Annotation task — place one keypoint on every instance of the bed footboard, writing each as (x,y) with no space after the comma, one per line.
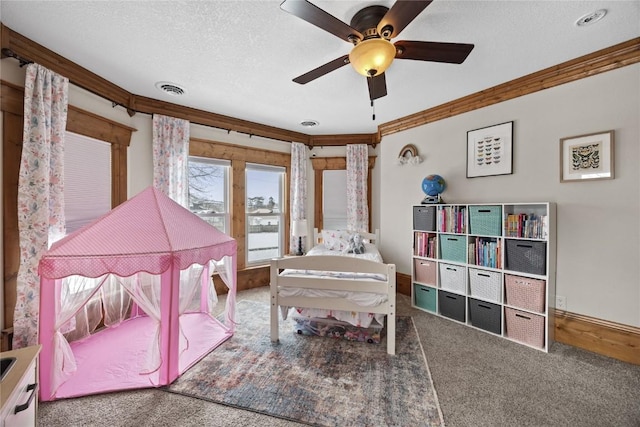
(340,264)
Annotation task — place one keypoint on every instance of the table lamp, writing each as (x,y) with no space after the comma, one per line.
(299,230)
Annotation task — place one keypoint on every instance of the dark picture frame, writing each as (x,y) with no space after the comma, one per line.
(490,150)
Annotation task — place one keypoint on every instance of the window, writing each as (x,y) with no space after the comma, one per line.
(87,180)
(334,199)
(265,219)
(209,191)
(87,186)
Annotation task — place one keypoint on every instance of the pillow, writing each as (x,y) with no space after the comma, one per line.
(335,240)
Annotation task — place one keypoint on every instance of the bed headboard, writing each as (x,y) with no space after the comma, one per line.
(371,237)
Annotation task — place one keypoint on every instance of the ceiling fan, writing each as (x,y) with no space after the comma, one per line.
(370,31)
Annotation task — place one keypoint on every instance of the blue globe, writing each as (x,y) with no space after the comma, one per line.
(432,185)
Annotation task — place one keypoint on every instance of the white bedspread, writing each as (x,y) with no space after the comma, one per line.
(364,299)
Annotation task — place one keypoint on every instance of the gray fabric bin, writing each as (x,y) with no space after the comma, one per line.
(424,218)
(451,305)
(485,315)
(527,256)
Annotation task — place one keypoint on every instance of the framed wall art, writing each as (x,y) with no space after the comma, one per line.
(490,151)
(587,157)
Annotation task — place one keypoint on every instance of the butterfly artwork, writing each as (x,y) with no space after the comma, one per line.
(585,156)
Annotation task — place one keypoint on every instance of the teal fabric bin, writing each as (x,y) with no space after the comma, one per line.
(453,247)
(425,297)
(485,220)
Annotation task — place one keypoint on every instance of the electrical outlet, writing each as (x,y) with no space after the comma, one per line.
(561,303)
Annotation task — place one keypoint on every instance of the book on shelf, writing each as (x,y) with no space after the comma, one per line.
(471,255)
(452,219)
(528,226)
(486,252)
(424,244)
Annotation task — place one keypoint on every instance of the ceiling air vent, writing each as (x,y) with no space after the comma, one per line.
(170,88)
(309,123)
(591,18)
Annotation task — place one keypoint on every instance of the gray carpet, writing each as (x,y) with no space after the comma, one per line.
(480,379)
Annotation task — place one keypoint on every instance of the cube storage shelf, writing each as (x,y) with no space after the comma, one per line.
(490,266)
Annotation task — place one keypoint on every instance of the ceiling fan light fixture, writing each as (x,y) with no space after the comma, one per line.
(372,57)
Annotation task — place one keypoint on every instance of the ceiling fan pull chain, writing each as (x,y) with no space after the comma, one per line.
(373,107)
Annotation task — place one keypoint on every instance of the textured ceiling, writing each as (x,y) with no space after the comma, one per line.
(237,58)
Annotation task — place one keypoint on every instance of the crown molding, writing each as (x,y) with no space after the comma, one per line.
(15,45)
(601,61)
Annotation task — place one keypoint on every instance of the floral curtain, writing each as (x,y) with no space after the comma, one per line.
(171,157)
(298,190)
(357,172)
(40,190)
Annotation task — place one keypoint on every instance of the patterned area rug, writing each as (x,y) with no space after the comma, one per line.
(314,380)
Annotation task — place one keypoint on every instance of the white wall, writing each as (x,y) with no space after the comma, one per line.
(598,242)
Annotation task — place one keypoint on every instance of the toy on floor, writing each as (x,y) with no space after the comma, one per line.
(328,327)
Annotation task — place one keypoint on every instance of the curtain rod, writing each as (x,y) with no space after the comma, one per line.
(6,52)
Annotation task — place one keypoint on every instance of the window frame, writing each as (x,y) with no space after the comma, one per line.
(226,192)
(240,155)
(118,135)
(320,164)
(281,214)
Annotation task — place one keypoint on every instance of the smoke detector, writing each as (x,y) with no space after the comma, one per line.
(170,88)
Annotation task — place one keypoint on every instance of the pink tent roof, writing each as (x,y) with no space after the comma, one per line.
(146,233)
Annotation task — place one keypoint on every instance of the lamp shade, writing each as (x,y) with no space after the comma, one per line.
(299,228)
(372,55)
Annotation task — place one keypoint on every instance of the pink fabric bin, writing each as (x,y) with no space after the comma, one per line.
(524,327)
(425,271)
(525,292)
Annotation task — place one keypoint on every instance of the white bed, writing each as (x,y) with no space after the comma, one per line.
(336,281)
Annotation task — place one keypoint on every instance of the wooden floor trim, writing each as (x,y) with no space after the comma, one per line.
(611,339)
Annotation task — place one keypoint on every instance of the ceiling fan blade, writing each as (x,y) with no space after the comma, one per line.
(322,70)
(400,15)
(453,53)
(377,86)
(318,17)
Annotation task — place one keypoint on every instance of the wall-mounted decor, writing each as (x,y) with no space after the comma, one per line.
(587,157)
(490,151)
(409,155)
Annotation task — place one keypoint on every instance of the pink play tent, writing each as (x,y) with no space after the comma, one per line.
(145,269)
